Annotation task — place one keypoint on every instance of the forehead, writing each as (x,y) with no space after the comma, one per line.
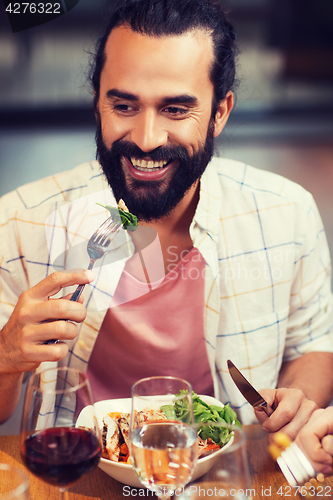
(137,62)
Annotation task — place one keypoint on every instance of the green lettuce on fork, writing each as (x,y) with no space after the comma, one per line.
(203,412)
(128,220)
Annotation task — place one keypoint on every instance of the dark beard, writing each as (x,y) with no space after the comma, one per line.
(151,200)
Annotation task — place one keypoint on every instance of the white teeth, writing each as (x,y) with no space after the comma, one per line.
(148,165)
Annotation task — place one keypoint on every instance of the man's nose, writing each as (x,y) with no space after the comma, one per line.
(148,132)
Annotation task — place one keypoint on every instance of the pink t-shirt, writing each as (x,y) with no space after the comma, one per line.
(160,332)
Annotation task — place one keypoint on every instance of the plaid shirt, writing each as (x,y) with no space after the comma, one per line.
(267,275)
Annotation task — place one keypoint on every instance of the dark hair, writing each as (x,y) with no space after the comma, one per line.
(159,18)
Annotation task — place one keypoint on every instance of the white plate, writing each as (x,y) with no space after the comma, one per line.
(124,473)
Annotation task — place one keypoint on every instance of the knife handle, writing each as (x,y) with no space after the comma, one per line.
(266,408)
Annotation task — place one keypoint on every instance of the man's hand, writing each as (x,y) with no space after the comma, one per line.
(292,411)
(316,440)
(35,320)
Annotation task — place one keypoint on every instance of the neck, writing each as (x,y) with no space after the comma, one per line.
(173,232)
(179,220)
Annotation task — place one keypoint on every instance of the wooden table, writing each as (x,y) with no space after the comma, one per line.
(267,480)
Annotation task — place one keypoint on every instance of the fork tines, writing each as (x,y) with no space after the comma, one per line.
(105,231)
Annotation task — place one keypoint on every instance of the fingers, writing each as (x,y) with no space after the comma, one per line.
(261,416)
(57,309)
(34,348)
(322,421)
(52,352)
(316,414)
(327,444)
(31,309)
(319,430)
(292,412)
(269,396)
(316,441)
(34,321)
(58,280)
(299,419)
(60,330)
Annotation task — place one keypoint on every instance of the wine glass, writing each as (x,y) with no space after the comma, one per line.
(229,477)
(163,439)
(52,447)
(14,483)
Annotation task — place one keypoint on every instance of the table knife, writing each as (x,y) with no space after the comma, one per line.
(248,391)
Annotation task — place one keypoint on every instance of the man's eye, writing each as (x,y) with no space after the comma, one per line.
(175,111)
(123,108)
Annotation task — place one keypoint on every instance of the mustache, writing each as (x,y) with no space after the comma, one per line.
(166,153)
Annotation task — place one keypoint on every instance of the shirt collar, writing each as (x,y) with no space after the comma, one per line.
(207,214)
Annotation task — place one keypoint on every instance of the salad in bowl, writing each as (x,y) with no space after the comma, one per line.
(114,420)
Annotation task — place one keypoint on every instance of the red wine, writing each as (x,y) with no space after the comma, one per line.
(61,455)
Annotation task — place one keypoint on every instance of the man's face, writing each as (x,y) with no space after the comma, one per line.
(154,129)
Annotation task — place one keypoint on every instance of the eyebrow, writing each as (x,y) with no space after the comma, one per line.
(122,95)
(180,99)
(176,99)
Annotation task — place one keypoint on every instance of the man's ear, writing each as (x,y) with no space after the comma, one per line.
(222,114)
(97,115)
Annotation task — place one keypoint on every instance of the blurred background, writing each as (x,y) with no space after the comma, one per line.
(283,119)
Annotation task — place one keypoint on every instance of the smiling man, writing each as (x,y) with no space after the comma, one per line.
(237,267)
(155,124)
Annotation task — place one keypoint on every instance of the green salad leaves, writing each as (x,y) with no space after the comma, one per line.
(128,220)
(204,413)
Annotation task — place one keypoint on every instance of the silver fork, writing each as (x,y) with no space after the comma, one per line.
(96,248)
(98,245)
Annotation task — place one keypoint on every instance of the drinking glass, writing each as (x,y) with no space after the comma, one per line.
(163,451)
(229,476)
(14,483)
(52,447)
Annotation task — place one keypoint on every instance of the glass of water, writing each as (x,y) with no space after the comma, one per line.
(163,439)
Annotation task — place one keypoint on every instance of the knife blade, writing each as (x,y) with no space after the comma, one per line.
(248,391)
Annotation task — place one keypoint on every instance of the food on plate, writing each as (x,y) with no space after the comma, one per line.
(116,426)
(124,425)
(115,432)
(111,438)
(115,437)
(129,221)
(210,438)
